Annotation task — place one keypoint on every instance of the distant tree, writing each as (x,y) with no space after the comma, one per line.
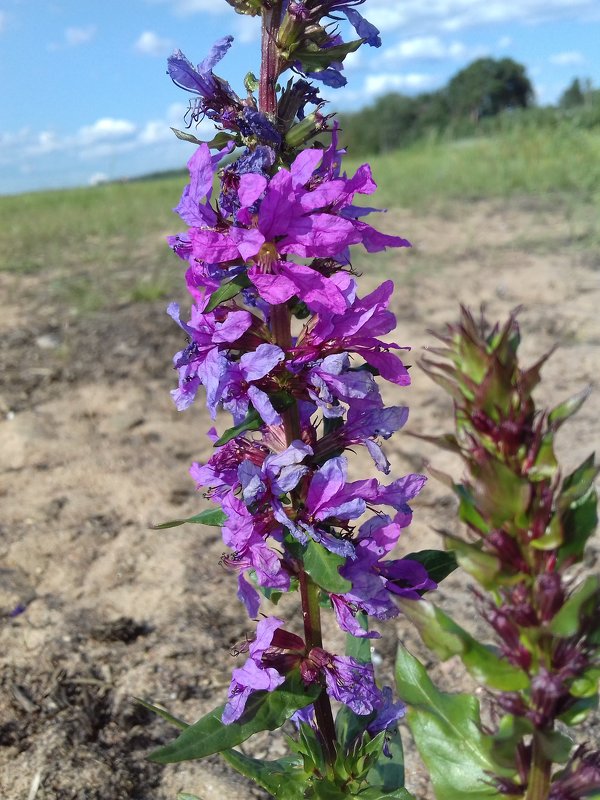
(488,86)
(572,96)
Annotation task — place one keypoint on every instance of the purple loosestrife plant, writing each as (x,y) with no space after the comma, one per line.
(527,527)
(270,248)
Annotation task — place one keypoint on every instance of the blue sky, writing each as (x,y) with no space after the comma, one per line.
(85,95)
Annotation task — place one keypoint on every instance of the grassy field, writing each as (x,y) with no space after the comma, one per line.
(104,245)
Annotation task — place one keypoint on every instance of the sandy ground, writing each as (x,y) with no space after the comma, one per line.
(92,453)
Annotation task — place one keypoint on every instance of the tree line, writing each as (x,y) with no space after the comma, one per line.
(486,96)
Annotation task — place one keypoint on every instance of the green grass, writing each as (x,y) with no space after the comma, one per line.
(86,226)
(101,246)
(540,163)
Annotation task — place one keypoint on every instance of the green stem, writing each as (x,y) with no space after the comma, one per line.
(311,615)
(282,336)
(538,786)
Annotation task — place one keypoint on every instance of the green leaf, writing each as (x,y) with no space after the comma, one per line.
(187,796)
(178,723)
(550,540)
(446,639)
(227,291)
(467,509)
(510,732)
(578,522)
(251,82)
(376,793)
(438,563)
(578,483)
(566,622)
(499,494)
(563,411)
(349,725)
(323,566)
(484,567)
(555,745)
(265,711)
(253,422)
(388,773)
(447,731)
(579,711)
(219,141)
(315,58)
(212,516)
(284,779)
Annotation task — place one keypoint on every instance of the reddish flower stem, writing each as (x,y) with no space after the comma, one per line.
(282,335)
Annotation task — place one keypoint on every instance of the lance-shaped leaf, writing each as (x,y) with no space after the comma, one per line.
(214,517)
(447,731)
(446,639)
(566,622)
(315,58)
(323,567)
(484,567)
(219,141)
(162,712)
(563,411)
(227,291)
(577,522)
(284,779)
(578,483)
(265,711)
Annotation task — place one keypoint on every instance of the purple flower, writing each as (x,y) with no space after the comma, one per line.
(200,362)
(220,473)
(356,330)
(332,382)
(246,535)
(216,98)
(388,714)
(295,216)
(364,29)
(237,384)
(278,474)
(364,427)
(375,580)
(254,675)
(346,679)
(329,501)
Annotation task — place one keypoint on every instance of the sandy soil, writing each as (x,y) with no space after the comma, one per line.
(92,453)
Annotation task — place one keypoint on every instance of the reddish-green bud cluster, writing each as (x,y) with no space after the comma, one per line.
(528,527)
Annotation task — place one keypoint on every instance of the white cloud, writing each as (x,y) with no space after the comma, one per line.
(77,36)
(149,43)
(453,15)
(425,48)
(97,178)
(567,58)
(389,82)
(504,42)
(105,129)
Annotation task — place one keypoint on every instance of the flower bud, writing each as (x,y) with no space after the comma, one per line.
(550,595)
